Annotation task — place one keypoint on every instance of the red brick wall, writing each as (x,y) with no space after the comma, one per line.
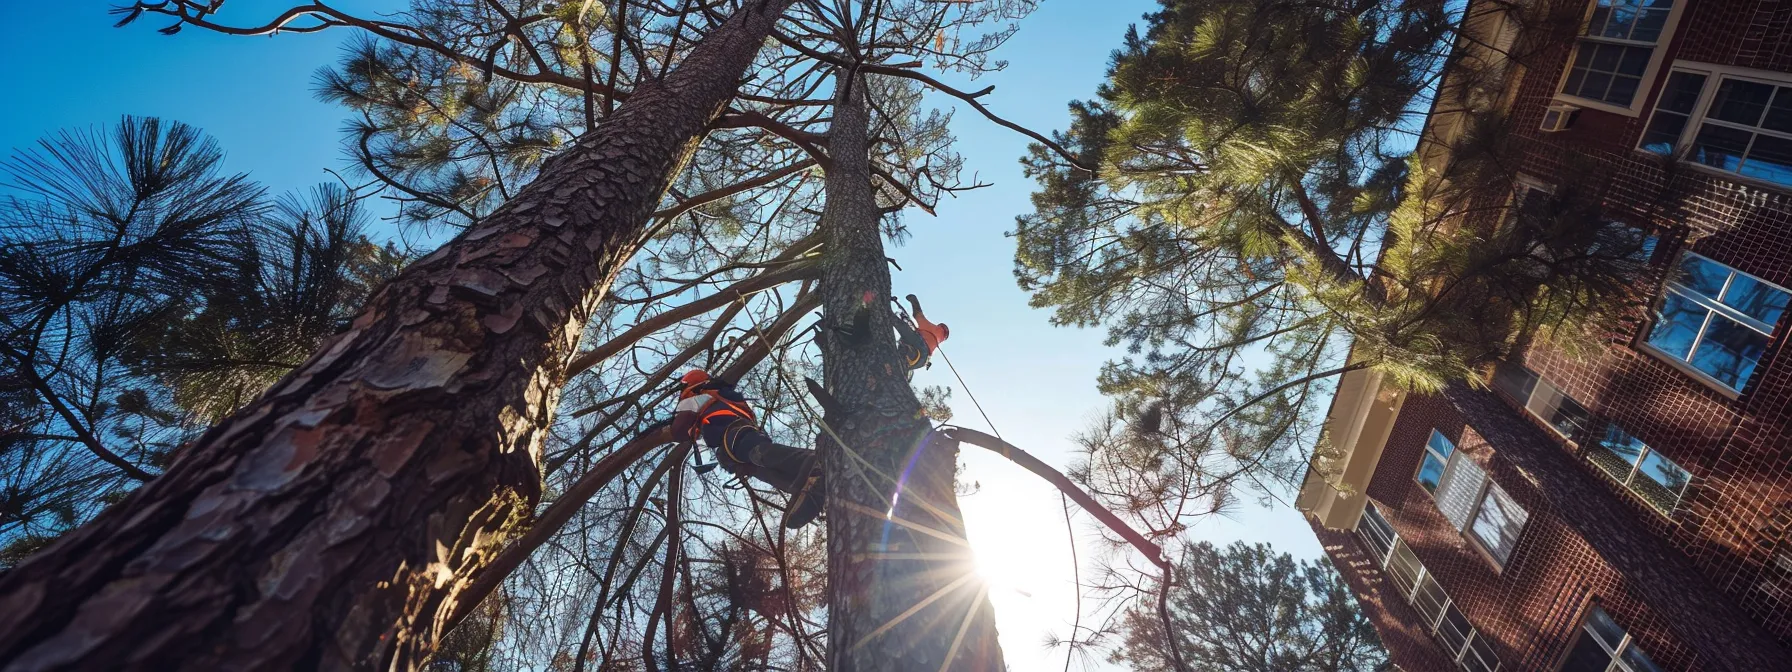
(1739,450)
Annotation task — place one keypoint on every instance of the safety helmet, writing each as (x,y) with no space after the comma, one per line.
(692,379)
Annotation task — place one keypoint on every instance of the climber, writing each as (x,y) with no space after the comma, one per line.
(711,409)
(918,341)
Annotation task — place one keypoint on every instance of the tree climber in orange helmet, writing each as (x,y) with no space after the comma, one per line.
(712,409)
(917,342)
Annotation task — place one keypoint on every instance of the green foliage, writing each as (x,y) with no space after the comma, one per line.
(1253,161)
(1246,608)
(145,292)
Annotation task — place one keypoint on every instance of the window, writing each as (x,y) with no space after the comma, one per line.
(1498,523)
(1645,472)
(1716,320)
(1616,50)
(1735,122)
(1437,456)
(1461,491)
(1603,646)
(1542,399)
(1419,588)
(1376,534)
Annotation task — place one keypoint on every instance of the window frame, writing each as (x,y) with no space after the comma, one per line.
(1443,474)
(1636,471)
(1645,87)
(1715,307)
(1625,643)
(1409,595)
(1483,545)
(1714,75)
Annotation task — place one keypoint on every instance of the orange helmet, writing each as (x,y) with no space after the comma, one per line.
(693,378)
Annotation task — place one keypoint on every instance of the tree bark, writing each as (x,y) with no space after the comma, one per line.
(902,592)
(335,523)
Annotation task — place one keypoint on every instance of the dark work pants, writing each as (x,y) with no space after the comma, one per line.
(744,449)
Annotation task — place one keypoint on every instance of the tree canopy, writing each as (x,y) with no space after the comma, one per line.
(1246,608)
(1257,222)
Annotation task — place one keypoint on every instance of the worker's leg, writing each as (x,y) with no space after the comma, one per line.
(910,346)
(752,453)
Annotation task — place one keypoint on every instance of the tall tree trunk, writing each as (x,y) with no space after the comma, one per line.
(902,592)
(334,523)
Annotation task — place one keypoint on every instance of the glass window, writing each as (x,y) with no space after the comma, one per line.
(1645,472)
(1479,656)
(1603,646)
(1498,523)
(1514,380)
(1747,130)
(1437,456)
(1377,535)
(1679,101)
(1430,600)
(1453,630)
(1614,51)
(1404,568)
(1717,320)
(1461,491)
(1560,411)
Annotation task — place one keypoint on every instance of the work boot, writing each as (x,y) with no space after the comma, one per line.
(807,503)
(794,471)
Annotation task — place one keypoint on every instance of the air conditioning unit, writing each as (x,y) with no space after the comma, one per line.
(1559,118)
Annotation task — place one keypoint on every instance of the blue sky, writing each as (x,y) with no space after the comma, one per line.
(70,68)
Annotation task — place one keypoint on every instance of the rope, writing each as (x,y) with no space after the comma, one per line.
(972,395)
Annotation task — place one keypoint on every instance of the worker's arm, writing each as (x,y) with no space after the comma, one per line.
(684,425)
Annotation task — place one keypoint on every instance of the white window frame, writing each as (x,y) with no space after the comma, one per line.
(1646,86)
(1418,582)
(1627,642)
(1479,497)
(1714,75)
(1636,470)
(1715,307)
(1482,545)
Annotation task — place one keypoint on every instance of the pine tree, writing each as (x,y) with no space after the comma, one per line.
(1257,223)
(462,103)
(1246,608)
(376,480)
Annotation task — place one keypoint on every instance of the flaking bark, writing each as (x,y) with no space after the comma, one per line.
(334,523)
(879,568)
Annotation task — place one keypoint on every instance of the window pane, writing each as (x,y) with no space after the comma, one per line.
(1634,61)
(1757,299)
(1607,56)
(1649,24)
(1514,380)
(1376,533)
(1403,569)
(1453,630)
(1571,419)
(1682,92)
(1702,275)
(1623,89)
(1461,491)
(1664,132)
(1665,482)
(1601,14)
(1480,656)
(1441,444)
(1741,101)
(1499,523)
(1587,656)
(1637,661)
(1595,85)
(1429,601)
(1770,159)
(1431,471)
(1606,629)
(1678,325)
(1779,116)
(1729,351)
(1720,146)
(1617,453)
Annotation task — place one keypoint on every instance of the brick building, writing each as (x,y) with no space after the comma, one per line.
(1630,510)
